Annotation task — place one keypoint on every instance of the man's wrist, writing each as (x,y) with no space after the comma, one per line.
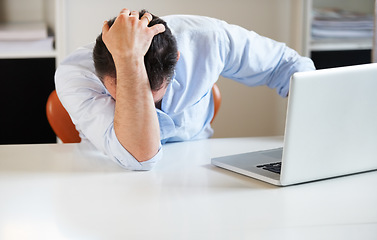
(130,68)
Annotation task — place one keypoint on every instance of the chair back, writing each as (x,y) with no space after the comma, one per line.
(60,121)
(216,99)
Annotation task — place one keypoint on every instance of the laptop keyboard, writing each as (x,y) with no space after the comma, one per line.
(272,167)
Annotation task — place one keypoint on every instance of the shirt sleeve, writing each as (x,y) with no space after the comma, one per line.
(255,60)
(91,109)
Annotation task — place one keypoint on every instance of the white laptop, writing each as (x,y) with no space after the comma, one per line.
(331,129)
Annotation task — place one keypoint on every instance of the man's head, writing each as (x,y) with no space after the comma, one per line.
(159,60)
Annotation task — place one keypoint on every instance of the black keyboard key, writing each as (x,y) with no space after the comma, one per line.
(272,167)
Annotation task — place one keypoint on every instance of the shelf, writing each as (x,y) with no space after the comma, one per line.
(30,62)
(340,44)
(30,11)
(50,54)
(311,44)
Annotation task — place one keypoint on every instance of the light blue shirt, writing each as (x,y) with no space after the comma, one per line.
(208,48)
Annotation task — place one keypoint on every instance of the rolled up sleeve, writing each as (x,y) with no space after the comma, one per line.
(255,60)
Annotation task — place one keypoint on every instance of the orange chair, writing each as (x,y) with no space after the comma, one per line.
(60,121)
(64,129)
(216,99)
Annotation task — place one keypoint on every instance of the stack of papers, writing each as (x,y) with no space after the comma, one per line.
(335,23)
(25,37)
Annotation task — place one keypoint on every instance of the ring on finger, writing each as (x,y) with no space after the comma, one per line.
(148,17)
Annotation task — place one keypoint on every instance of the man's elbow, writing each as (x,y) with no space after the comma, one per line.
(143,154)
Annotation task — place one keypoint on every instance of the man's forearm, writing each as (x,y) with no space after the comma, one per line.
(135,120)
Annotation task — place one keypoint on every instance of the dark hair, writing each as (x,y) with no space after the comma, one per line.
(159,60)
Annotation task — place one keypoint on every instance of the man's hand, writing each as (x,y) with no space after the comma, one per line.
(130,37)
(135,120)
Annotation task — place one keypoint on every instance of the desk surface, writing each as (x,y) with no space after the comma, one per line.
(70,191)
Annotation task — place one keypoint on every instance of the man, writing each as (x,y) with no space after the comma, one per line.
(150,81)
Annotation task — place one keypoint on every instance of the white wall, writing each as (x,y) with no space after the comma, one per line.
(244,111)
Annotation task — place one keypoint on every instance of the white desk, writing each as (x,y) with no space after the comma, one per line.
(58,191)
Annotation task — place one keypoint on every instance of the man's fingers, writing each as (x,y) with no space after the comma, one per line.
(105,27)
(134,14)
(158,28)
(147,18)
(125,11)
